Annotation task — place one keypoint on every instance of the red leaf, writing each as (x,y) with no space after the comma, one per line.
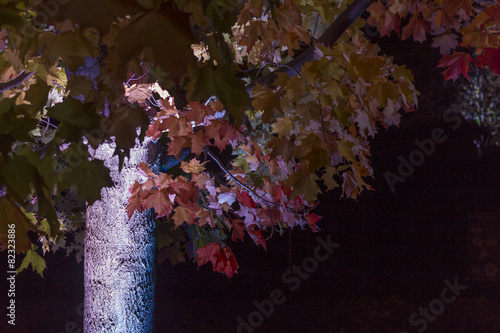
(198,112)
(222,258)
(256,236)
(246,200)
(456,63)
(207,253)
(312,219)
(392,23)
(491,58)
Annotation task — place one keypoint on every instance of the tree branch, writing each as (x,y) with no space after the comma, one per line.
(15,82)
(328,38)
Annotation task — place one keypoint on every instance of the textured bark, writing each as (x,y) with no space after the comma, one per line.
(119,255)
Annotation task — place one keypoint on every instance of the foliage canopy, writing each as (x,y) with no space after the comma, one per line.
(293,99)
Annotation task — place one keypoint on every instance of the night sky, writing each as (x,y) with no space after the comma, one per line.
(395,251)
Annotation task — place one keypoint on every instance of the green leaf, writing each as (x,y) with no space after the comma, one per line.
(221,81)
(10,15)
(16,120)
(166,32)
(122,125)
(13,214)
(37,95)
(35,260)
(306,184)
(88,176)
(99,14)
(19,175)
(71,47)
(75,119)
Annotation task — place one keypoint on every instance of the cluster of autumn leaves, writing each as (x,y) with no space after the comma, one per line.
(307,131)
(464,25)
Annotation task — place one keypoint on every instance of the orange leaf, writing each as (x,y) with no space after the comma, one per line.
(184,214)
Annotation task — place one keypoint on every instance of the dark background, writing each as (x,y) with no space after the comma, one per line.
(396,249)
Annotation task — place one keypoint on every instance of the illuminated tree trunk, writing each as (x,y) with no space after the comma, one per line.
(119,255)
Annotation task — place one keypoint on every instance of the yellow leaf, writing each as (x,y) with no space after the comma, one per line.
(193,166)
(283,127)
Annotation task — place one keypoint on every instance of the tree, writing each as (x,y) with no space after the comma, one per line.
(292,99)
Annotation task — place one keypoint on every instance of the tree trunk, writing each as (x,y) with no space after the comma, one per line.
(119,255)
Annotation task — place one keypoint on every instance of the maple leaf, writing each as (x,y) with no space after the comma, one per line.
(11,213)
(197,112)
(491,58)
(417,27)
(267,100)
(134,203)
(173,254)
(207,80)
(441,19)
(145,171)
(246,200)
(123,123)
(392,22)
(159,200)
(166,31)
(305,184)
(238,230)
(34,259)
(455,64)
(138,93)
(177,126)
(184,214)
(75,118)
(198,142)
(205,217)
(206,253)
(281,147)
(222,259)
(312,219)
(452,6)
(445,42)
(256,235)
(88,176)
(350,187)
(99,14)
(71,47)
(385,20)
(193,166)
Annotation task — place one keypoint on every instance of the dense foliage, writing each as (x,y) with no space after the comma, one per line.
(292,99)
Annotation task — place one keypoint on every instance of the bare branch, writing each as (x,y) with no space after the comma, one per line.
(15,82)
(328,38)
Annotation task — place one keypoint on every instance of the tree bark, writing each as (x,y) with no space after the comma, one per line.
(119,255)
